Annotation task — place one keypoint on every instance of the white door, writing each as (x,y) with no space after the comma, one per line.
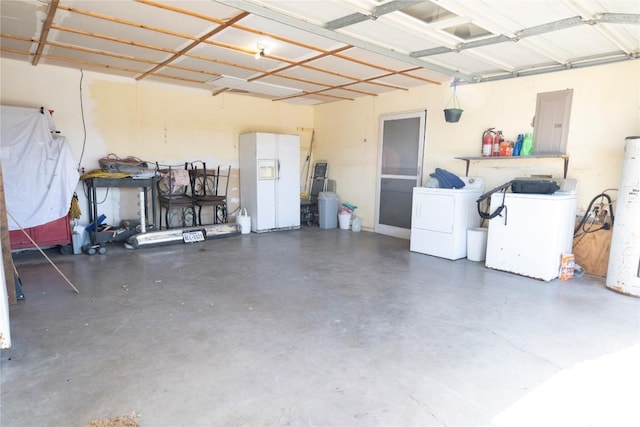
(288,181)
(402,138)
(267,164)
(434,212)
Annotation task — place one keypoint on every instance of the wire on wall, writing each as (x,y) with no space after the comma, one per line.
(84,126)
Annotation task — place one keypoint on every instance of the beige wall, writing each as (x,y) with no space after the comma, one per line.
(152,121)
(171,125)
(606,109)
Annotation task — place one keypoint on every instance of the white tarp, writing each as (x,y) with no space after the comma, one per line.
(38,168)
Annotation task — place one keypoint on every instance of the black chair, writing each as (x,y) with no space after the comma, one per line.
(309,205)
(209,189)
(174,196)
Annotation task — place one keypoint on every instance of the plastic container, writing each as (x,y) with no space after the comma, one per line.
(356,224)
(477,243)
(328,209)
(344,218)
(244,222)
(527,145)
(77,239)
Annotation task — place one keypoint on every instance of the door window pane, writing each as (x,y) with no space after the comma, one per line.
(400,147)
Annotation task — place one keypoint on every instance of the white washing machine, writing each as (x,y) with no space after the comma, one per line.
(440,218)
(532,233)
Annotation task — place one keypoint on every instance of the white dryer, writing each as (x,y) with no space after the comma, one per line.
(441,216)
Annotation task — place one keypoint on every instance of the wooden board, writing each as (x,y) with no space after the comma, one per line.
(591,251)
(6,248)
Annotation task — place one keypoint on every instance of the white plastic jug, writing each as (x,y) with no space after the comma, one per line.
(356,225)
(244,221)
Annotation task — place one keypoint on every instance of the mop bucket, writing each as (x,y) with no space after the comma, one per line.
(244,222)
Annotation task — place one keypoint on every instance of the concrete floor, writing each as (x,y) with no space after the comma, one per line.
(315,328)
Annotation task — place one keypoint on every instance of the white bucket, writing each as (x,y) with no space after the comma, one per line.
(344,218)
(477,244)
(244,222)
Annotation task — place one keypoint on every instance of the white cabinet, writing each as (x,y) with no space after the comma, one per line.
(532,233)
(440,219)
(270,180)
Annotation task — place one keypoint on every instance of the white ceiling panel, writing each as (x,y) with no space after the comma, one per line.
(313,75)
(517,55)
(394,38)
(107,45)
(152,16)
(592,44)
(215,67)
(98,58)
(461,61)
(319,51)
(372,88)
(282,81)
(350,68)
(109,29)
(315,11)
(286,32)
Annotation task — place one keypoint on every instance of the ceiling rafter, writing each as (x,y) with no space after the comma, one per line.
(194,44)
(299,63)
(53,6)
(324,52)
(112,39)
(281,18)
(211,44)
(223,24)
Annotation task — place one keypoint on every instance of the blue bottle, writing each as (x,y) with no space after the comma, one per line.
(518,145)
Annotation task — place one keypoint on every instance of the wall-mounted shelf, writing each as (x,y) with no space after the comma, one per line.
(564,157)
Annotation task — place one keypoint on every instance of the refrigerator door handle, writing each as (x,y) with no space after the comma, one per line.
(278,170)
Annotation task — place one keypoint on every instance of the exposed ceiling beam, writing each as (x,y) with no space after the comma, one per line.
(194,44)
(550,26)
(618,18)
(376,12)
(53,6)
(267,13)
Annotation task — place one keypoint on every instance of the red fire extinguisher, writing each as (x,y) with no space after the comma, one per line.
(487,142)
(497,140)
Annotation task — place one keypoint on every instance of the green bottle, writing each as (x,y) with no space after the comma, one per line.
(527,145)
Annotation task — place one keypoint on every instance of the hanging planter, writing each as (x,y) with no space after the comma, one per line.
(452,115)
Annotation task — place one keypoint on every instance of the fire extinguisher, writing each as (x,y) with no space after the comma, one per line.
(487,142)
(497,140)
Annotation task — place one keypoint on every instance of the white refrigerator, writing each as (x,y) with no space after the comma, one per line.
(270,180)
(531,234)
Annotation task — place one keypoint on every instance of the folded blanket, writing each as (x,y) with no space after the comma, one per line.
(447,179)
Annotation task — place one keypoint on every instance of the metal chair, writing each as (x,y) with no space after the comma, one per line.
(209,189)
(174,196)
(318,183)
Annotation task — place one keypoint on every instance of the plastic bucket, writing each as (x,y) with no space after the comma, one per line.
(344,218)
(244,222)
(477,244)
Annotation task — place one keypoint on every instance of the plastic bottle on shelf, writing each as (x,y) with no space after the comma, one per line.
(504,148)
(527,145)
(518,145)
(509,151)
(495,150)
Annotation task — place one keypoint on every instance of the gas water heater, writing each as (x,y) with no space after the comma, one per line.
(623,274)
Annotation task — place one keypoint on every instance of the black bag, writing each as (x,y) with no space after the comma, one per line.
(534,186)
